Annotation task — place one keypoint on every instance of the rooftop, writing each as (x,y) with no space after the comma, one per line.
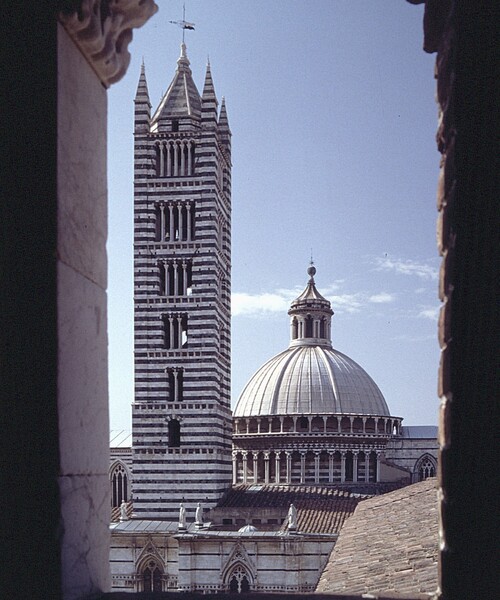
(389,545)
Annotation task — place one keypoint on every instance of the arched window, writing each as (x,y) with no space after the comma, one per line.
(322,328)
(174,434)
(309,327)
(426,467)
(119,485)
(152,577)
(239,581)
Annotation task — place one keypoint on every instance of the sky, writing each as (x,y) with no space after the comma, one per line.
(331,105)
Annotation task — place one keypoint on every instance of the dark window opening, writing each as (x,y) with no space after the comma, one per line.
(175,125)
(174,434)
(309,327)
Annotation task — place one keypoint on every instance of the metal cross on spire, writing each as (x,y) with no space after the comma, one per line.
(183,24)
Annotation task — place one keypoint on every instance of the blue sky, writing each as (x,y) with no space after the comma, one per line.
(331,105)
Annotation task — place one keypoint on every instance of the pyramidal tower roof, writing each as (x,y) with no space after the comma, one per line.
(142,94)
(208,94)
(182,98)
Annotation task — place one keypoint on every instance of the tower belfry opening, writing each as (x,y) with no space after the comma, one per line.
(182,256)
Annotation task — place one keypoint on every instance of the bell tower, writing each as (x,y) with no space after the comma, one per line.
(181,416)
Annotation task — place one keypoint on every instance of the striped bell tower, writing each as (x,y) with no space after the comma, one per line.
(181,421)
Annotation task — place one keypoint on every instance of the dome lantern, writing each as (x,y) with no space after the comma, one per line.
(310,316)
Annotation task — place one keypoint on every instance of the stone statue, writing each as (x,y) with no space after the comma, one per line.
(123,511)
(182,516)
(292,517)
(199,515)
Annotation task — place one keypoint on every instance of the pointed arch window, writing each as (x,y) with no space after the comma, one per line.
(119,485)
(152,577)
(426,467)
(239,581)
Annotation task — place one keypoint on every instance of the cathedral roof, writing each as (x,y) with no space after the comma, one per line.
(310,377)
(182,98)
(319,509)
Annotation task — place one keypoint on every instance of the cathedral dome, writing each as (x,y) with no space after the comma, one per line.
(310,377)
(311,380)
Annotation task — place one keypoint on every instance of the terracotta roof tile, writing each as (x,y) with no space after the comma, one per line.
(319,509)
(389,545)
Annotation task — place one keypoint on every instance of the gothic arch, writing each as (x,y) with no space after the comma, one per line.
(239,580)
(426,466)
(150,570)
(239,573)
(119,479)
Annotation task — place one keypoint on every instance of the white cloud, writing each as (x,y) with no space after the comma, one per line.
(279,302)
(255,304)
(429,313)
(415,338)
(406,267)
(381,298)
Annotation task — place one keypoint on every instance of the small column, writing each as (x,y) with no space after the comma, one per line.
(162,159)
(181,220)
(176,278)
(302,467)
(255,467)
(176,159)
(184,278)
(162,222)
(235,468)
(247,422)
(330,467)
(342,466)
(190,158)
(183,158)
(179,332)
(258,424)
(278,462)
(377,474)
(364,424)
(351,420)
(171,331)
(244,458)
(288,467)
(266,467)
(189,217)
(295,424)
(316,467)
(281,424)
(354,466)
(367,466)
(176,386)
(169,159)
(170,222)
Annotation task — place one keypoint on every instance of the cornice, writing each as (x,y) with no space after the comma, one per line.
(102,29)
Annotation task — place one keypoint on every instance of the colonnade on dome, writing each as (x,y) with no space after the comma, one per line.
(307,466)
(317,424)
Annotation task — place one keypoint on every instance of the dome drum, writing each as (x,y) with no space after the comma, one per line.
(322,425)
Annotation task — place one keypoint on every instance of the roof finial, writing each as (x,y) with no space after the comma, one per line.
(311,271)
